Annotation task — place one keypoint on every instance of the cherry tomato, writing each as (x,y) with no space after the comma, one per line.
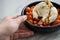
(35,22)
(47,24)
(40,23)
(29,17)
(27,13)
(58,11)
(30,21)
(58,17)
(36,19)
(28,9)
(56,21)
(32,8)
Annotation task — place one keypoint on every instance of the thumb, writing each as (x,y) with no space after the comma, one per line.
(21,19)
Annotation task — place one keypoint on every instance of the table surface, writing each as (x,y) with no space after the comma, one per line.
(15,6)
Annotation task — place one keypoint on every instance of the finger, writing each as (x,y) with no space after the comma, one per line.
(23,34)
(21,19)
(13,16)
(26,34)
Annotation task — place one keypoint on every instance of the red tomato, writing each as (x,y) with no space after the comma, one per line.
(47,24)
(32,8)
(28,9)
(58,11)
(36,19)
(56,21)
(58,17)
(27,13)
(30,21)
(30,13)
(35,22)
(40,23)
(29,17)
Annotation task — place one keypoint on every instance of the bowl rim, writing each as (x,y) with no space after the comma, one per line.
(22,13)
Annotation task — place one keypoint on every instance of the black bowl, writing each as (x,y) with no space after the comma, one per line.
(38,28)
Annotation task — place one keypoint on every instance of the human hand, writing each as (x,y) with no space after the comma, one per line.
(10,24)
(22,32)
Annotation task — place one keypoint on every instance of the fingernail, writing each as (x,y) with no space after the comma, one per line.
(24,17)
